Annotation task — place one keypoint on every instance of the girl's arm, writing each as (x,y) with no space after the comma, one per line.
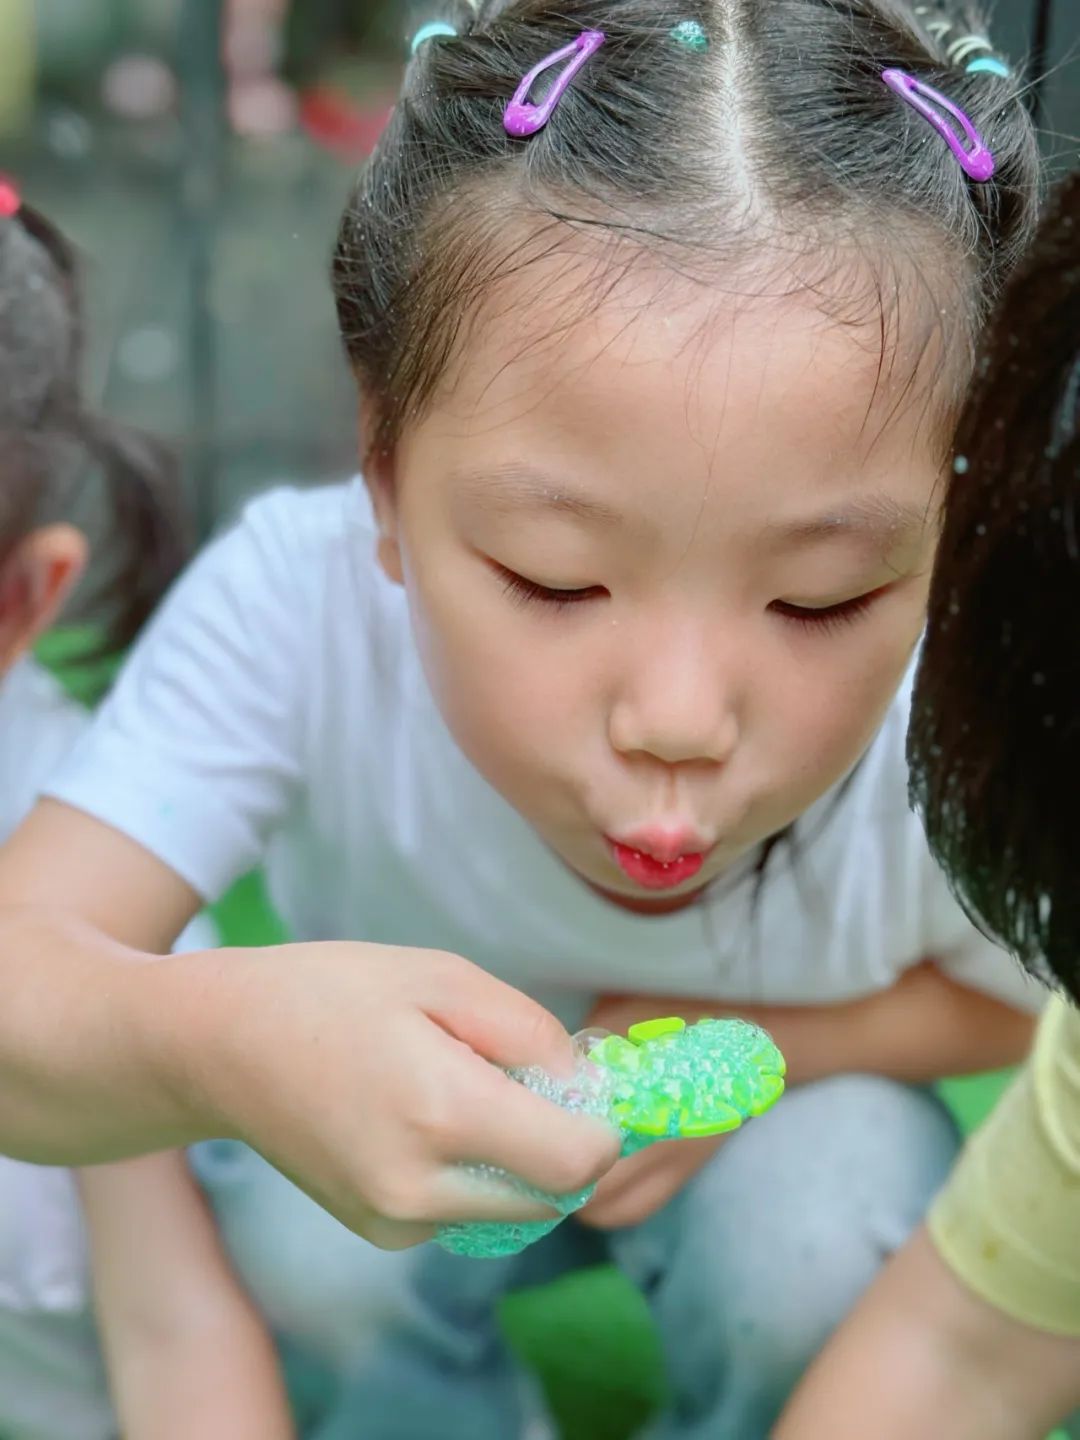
(361,1070)
(186,1351)
(923,1028)
(926,1026)
(98,1048)
(923,1355)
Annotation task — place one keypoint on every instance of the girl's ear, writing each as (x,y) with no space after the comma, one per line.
(379,479)
(36,578)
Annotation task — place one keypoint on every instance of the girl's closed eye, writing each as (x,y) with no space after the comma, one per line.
(828,618)
(528,592)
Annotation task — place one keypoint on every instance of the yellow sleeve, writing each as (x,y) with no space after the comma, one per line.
(1008,1222)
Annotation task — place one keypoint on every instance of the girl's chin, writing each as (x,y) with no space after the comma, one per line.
(646,904)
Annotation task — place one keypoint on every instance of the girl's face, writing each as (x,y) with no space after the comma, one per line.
(666,564)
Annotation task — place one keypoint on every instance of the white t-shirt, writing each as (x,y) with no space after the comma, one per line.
(42,1248)
(51,1378)
(38,726)
(43,1264)
(276,710)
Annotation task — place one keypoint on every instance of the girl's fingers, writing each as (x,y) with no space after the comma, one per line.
(501,1123)
(495,1020)
(460,1196)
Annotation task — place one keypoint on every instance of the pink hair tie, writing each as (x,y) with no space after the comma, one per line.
(974,157)
(10,199)
(523,119)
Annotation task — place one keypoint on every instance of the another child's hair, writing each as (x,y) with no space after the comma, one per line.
(47,436)
(772,135)
(995,736)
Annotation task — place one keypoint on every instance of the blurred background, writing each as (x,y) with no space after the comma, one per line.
(199,152)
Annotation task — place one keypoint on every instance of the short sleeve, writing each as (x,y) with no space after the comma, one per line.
(1008,1222)
(196,755)
(38,726)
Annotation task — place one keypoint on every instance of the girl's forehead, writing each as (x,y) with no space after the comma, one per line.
(708,422)
(656,356)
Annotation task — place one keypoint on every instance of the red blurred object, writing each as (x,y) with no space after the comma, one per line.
(10,199)
(339,124)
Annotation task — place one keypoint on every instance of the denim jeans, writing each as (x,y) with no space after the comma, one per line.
(746,1272)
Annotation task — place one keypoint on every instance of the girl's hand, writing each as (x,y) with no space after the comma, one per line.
(644,1183)
(369,1075)
(366,1073)
(923,1027)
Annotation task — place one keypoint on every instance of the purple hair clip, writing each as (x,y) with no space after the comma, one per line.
(523,119)
(974,157)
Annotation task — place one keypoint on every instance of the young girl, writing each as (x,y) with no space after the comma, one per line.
(658,369)
(974,1332)
(51,1381)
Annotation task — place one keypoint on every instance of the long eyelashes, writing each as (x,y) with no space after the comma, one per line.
(829,617)
(528,592)
(825,619)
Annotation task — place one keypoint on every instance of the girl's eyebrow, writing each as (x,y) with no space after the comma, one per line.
(514,487)
(877,520)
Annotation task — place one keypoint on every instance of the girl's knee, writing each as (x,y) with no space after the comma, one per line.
(837,1147)
(793,1219)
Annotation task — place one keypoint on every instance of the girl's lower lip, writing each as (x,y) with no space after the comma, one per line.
(653,874)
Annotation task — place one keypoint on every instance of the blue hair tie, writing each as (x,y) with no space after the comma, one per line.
(433,30)
(989,65)
(692,34)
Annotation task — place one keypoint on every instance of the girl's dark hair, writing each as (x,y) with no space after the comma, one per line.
(995,736)
(779,138)
(47,437)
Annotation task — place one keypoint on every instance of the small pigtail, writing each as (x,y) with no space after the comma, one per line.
(49,437)
(960,39)
(982,83)
(145,545)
